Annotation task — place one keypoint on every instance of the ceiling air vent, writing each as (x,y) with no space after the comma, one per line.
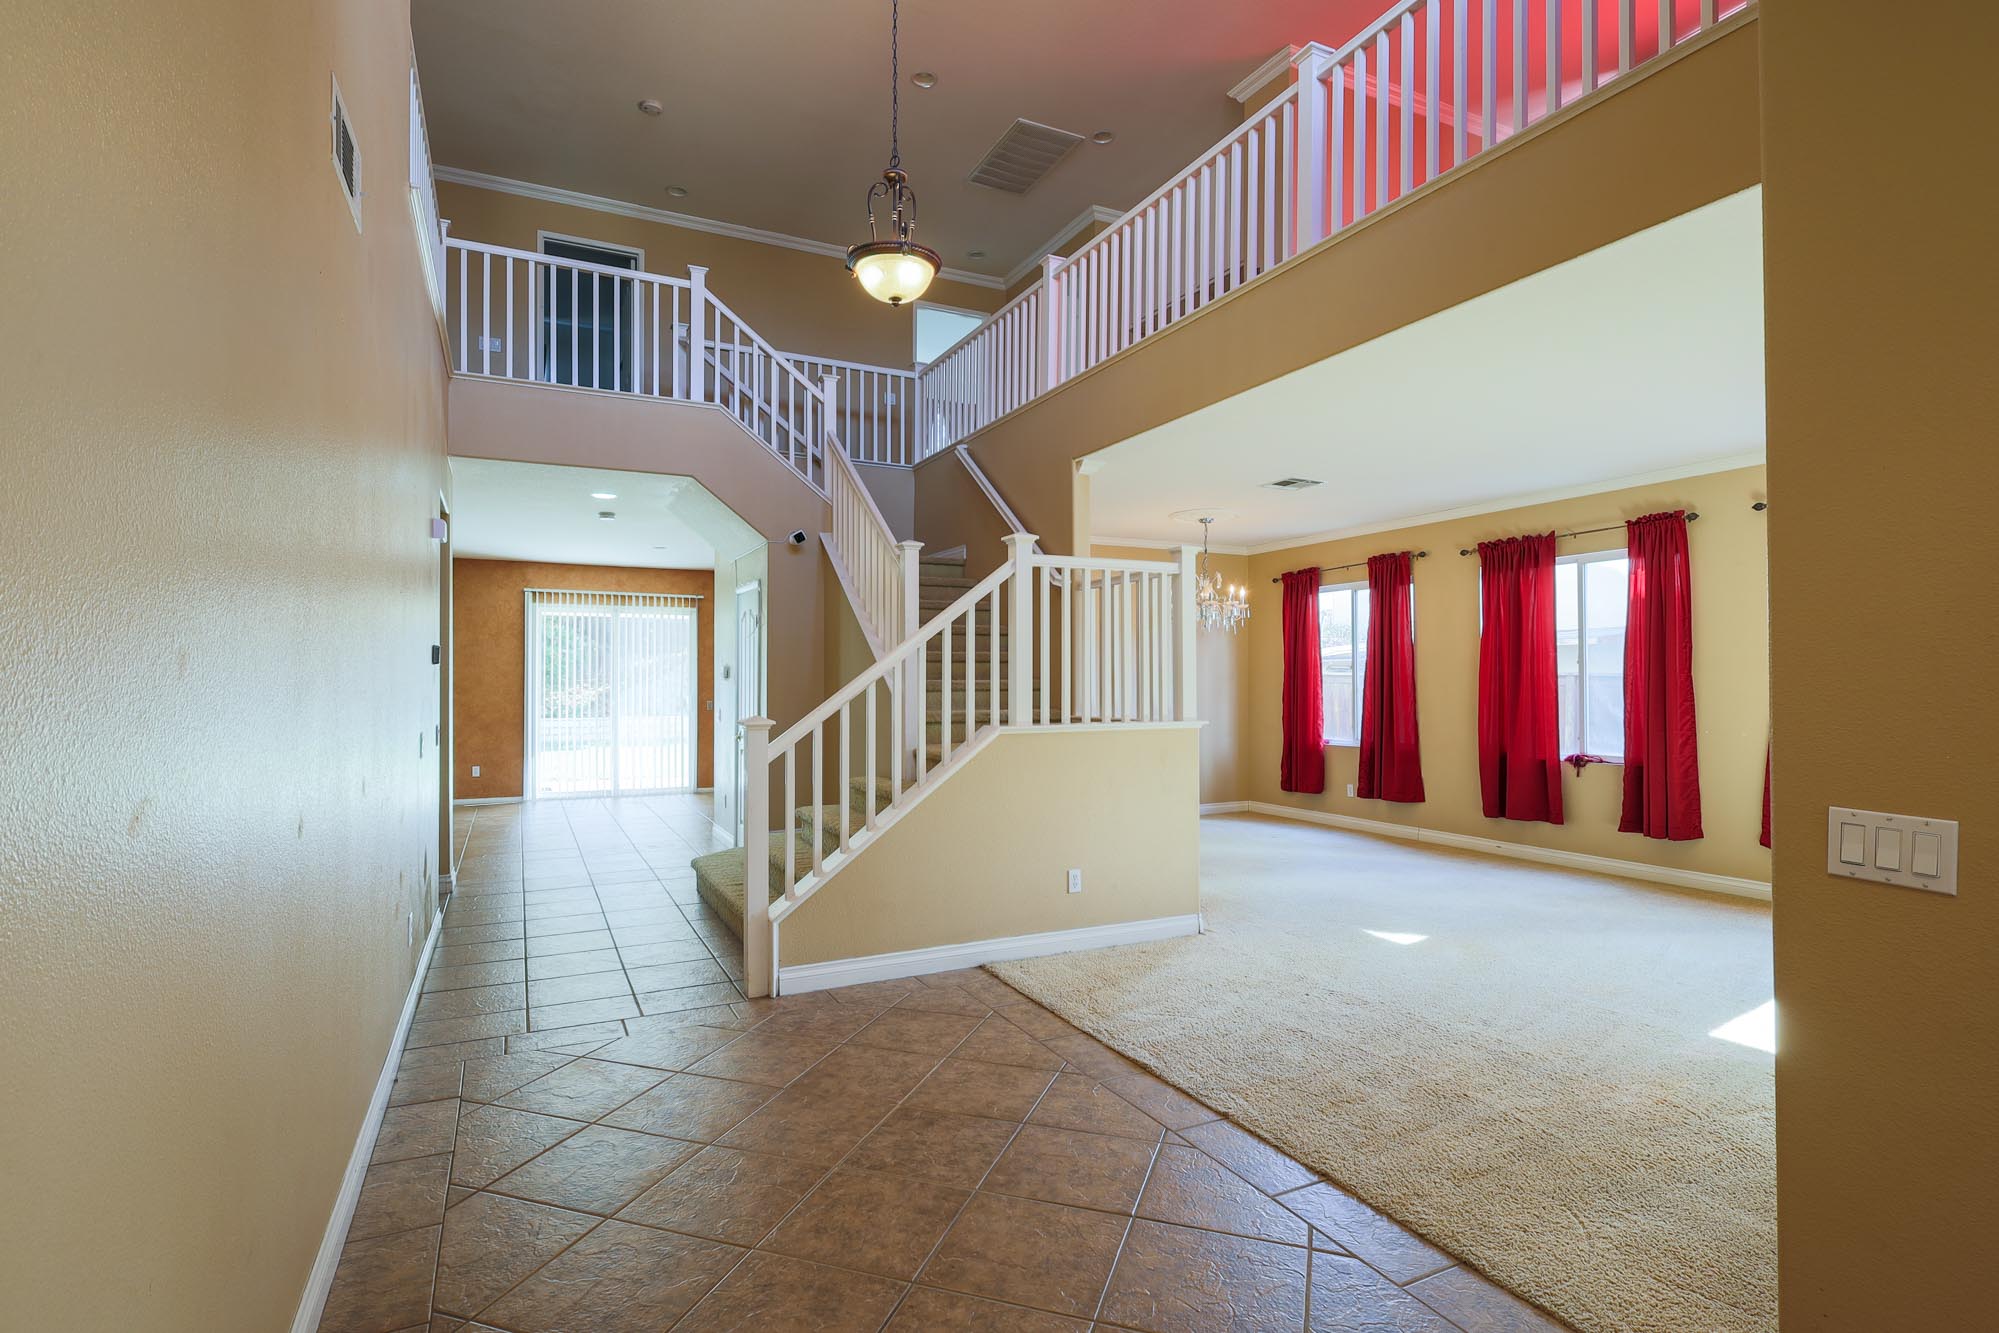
(1292,484)
(1022,156)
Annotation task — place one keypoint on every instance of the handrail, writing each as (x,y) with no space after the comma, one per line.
(984,483)
(878,408)
(866,547)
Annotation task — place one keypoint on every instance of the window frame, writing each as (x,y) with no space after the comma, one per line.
(1352,591)
(914,306)
(1579,561)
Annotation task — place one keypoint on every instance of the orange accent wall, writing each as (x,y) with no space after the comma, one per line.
(489,637)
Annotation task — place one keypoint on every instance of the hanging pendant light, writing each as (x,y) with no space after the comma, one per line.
(1217,605)
(895,269)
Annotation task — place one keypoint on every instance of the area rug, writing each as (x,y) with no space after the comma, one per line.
(1512,1060)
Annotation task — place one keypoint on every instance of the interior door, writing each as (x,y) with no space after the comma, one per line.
(587,328)
(749,677)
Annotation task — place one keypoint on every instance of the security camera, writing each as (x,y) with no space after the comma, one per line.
(797,538)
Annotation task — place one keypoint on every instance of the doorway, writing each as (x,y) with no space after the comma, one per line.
(749,677)
(611,704)
(587,333)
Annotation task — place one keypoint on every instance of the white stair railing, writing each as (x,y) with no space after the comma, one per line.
(1359,128)
(519,315)
(1041,642)
(878,570)
(876,408)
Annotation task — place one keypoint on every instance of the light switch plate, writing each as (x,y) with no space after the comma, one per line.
(1891,849)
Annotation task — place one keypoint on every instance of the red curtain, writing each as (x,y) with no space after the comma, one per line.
(1765,839)
(1304,702)
(1662,771)
(1391,759)
(1519,713)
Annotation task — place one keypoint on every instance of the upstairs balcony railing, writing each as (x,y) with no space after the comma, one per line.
(1412,98)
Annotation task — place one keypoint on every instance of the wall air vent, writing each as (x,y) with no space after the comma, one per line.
(1022,156)
(1292,484)
(346,156)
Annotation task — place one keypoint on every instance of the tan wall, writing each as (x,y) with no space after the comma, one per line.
(1120,804)
(1731,677)
(951,511)
(490,624)
(1882,398)
(224,434)
(1088,232)
(1569,186)
(797,301)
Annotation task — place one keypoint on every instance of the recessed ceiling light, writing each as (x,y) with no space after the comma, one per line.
(606,515)
(652,108)
(603,495)
(923,78)
(1102,137)
(677,191)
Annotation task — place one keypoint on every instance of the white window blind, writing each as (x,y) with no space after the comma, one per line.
(611,692)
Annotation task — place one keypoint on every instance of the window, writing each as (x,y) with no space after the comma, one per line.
(1590,593)
(938,327)
(1343,658)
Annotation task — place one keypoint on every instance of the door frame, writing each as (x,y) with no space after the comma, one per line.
(447,777)
(542,236)
(755,586)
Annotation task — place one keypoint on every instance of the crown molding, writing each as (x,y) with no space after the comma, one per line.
(1728,463)
(1257,78)
(687,221)
(1094,213)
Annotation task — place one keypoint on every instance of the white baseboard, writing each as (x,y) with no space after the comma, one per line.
(313,1303)
(1602,865)
(1225,808)
(950,957)
(487,800)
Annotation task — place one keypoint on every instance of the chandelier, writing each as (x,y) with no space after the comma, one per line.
(1217,605)
(895,269)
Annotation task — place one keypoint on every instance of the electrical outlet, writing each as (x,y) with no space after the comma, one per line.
(1075,881)
(492,345)
(475,770)
(1350,789)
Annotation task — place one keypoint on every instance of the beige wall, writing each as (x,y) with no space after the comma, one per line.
(1118,803)
(797,301)
(1882,397)
(489,694)
(1567,187)
(1086,233)
(224,433)
(1731,677)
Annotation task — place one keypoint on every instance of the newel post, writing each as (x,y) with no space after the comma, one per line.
(910,554)
(1051,323)
(1310,224)
(697,333)
(1189,705)
(1020,629)
(829,407)
(757,940)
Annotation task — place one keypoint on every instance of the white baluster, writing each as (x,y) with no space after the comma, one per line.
(1188,706)
(757,961)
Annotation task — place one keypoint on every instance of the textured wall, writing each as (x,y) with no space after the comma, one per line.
(491,624)
(224,432)
(1882,398)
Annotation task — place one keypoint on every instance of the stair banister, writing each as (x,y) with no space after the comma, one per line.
(697,335)
(759,964)
(1020,611)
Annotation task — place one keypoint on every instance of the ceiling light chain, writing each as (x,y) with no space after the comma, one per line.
(897,269)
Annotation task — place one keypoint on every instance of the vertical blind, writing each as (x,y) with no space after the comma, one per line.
(611,692)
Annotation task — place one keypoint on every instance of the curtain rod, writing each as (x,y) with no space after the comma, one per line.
(1354,564)
(1580,532)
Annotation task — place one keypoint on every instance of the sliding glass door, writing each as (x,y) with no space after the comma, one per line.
(611,684)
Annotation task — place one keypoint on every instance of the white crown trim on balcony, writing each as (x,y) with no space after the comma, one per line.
(644,213)
(1094,213)
(1254,81)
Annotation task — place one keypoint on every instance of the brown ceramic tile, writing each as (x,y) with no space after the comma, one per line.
(774,1294)
(400,1196)
(1177,1280)
(945,1000)
(1249,1157)
(811,1124)
(438,1032)
(609,1030)
(687,1106)
(382,1284)
(872,1072)
(1477,1306)
(583,1089)
(683,998)
(1068,1166)
(490,1243)
(934,1145)
(597,1170)
(418,1130)
(1347,1294)
(1362,1231)
(425,1083)
(1162,1101)
(455,937)
(1087,1055)
(543,1017)
(1037,1022)
(457,955)
(1076,1101)
(470,1001)
(579,986)
(1192,1189)
(999,1042)
(724,1195)
(886,1225)
(673,1048)
(550,967)
(875,992)
(973,1087)
(688,950)
(770,1058)
(582,941)
(916,1030)
(493,1140)
(834,1022)
(928,1310)
(617,1279)
(674,976)
(1028,1253)
(572,924)
(453,1052)
(490,1079)
(474,974)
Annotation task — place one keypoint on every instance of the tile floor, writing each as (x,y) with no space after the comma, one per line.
(593,1131)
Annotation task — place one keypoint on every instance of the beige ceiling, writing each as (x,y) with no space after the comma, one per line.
(777,110)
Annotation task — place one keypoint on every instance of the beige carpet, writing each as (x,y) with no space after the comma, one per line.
(1531,1086)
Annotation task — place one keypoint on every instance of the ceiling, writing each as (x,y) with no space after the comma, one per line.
(1639,359)
(532,511)
(776,114)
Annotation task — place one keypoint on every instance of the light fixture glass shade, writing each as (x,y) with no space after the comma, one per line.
(893,271)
